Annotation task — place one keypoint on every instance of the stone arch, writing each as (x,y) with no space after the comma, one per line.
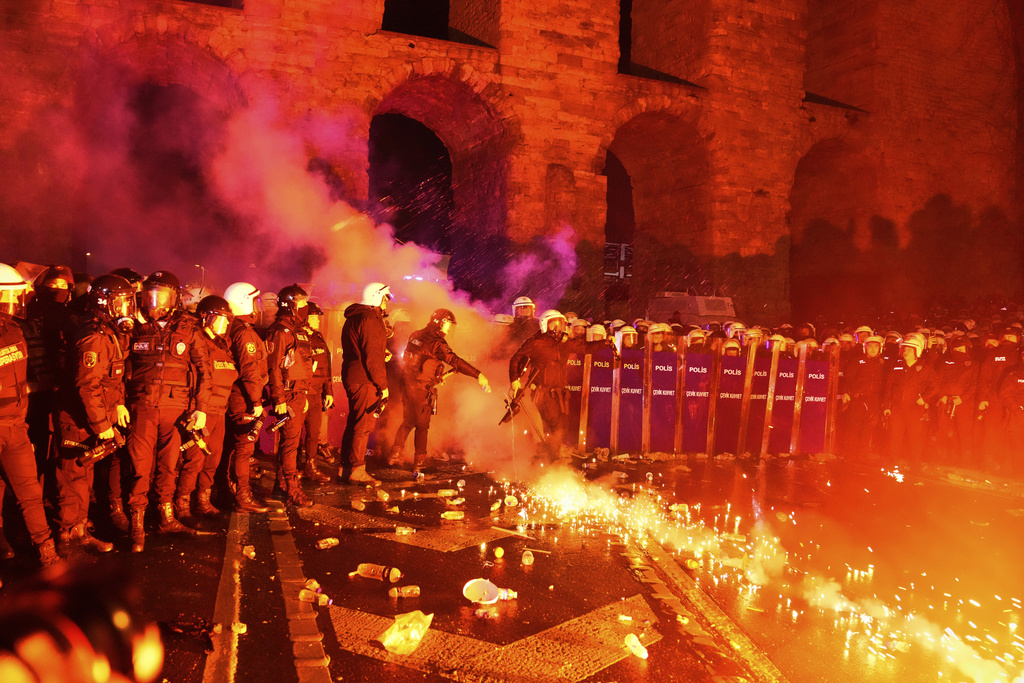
(666,162)
(166,50)
(655,104)
(455,103)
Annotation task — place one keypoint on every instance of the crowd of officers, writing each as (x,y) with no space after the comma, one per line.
(166,402)
(950,394)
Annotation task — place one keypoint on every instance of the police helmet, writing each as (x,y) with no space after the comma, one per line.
(313,308)
(914,342)
(292,298)
(438,317)
(215,313)
(57,281)
(133,277)
(13,292)
(552,321)
(161,294)
(375,294)
(241,296)
(114,297)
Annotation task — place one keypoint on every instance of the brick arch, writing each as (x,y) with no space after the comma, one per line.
(654,104)
(458,105)
(167,50)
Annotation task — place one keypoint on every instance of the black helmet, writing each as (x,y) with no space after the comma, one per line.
(290,297)
(133,277)
(442,314)
(313,308)
(114,297)
(215,314)
(160,294)
(56,284)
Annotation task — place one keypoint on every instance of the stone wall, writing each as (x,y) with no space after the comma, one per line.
(728,170)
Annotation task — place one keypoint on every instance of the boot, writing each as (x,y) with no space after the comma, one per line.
(84,538)
(6,551)
(244,502)
(204,506)
(138,530)
(360,476)
(182,508)
(117,516)
(296,496)
(397,456)
(326,453)
(311,472)
(48,553)
(169,524)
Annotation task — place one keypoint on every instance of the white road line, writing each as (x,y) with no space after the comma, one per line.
(222,663)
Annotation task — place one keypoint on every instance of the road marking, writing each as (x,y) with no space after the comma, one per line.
(222,663)
(571,651)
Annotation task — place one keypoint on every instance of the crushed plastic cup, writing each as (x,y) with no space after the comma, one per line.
(249,551)
(461,484)
(313,585)
(527,558)
(455,501)
(325,543)
(322,600)
(383,495)
(484,592)
(306,595)
(633,643)
(405,635)
(358,505)
(404,592)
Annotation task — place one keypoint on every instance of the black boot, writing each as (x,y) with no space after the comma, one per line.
(169,524)
(204,506)
(48,553)
(138,530)
(117,516)
(311,472)
(85,540)
(296,496)
(6,551)
(244,502)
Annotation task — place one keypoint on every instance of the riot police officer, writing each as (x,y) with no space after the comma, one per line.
(910,389)
(428,359)
(207,445)
(92,405)
(245,403)
(166,349)
(363,354)
(321,391)
(290,372)
(16,458)
(524,323)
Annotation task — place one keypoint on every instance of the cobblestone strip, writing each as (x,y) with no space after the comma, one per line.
(721,626)
(310,659)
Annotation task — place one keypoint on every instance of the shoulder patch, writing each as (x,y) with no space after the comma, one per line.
(250,348)
(179,348)
(89,359)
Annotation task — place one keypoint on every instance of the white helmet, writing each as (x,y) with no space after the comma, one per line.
(548,316)
(522,302)
(375,293)
(240,296)
(596,332)
(13,291)
(913,341)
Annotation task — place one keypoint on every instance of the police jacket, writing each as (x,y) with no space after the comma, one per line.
(522,328)
(905,384)
(995,364)
(289,367)
(957,375)
(94,386)
(13,372)
(250,357)
(169,365)
(47,330)
(224,372)
(1011,391)
(864,380)
(363,342)
(549,358)
(425,349)
(320,354)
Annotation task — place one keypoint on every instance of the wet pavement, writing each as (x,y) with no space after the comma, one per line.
(800,570)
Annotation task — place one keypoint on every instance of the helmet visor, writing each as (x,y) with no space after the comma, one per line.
(159,301)
(217,323)
(556,325)
(13,301)
(122,306)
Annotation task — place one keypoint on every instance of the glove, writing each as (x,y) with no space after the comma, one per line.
(957,400)
(197,419)
(281,409)
(983,405)
(484,384)
(384,393)
(106,434)
(516,386)
(257,410)
(123,417)
(328,402)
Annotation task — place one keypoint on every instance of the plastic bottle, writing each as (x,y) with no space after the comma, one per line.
(527,558)
(383,495)
(461,484)
(358,505)
(633,643)
(404,530)
(404,592)
(307,595)
(453,514)
(325,543)
(446,493)
(313,585)
(377,572)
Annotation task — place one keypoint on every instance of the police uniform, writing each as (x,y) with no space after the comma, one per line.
(957,376)
(198,468)
(990,436)
(908,420)
(88,407)
(47,329)
(1011,395)
(250,357)
(16,457)
(363,345)
(426,351)
(160,391)
(861,421)
(290,372)
(320,387)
